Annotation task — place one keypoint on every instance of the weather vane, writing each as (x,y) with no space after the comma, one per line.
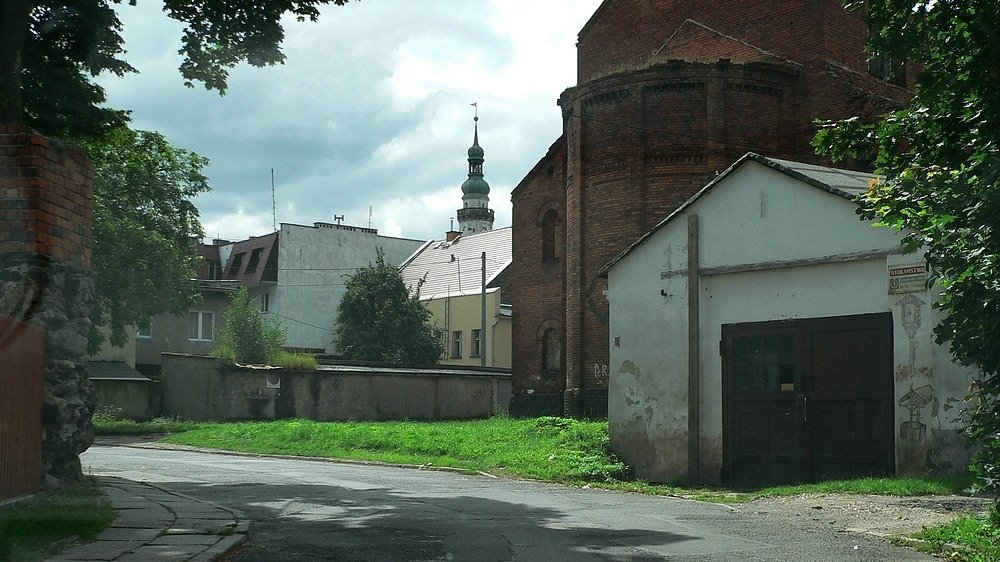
(475,104)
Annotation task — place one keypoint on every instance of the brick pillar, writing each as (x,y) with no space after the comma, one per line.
(574,259)
(46,223)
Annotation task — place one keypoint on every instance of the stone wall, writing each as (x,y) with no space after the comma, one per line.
(46,220)
(207,388)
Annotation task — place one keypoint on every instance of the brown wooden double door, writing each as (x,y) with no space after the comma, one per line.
(807,400)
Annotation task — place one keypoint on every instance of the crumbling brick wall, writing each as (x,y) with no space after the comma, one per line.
(46,220)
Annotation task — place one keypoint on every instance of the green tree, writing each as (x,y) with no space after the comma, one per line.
(146,229)
(378,320)
(51,49)
(249,336)
(940,160)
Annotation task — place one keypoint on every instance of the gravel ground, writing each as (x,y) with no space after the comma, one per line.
(876,515)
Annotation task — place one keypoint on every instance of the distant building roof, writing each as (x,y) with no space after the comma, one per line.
(843,183)
(114,371)
(443,268)
(253,260)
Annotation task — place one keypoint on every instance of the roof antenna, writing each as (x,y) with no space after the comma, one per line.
(371,209)
(274,205)
(338,218)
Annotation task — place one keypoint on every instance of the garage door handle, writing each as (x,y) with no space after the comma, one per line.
(805,409)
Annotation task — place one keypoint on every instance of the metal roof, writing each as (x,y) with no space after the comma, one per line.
(843,183)
(114,371)
(443,268)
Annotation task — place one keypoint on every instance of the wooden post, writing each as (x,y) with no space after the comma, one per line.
(694,354)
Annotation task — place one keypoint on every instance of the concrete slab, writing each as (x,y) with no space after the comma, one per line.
(100,550)
(188,540)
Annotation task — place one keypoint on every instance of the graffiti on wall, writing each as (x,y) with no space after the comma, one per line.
(914,401)
(600,371)
(909,309)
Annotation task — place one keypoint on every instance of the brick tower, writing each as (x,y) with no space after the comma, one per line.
(669,93)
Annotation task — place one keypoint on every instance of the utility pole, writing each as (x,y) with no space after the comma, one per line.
(482,327)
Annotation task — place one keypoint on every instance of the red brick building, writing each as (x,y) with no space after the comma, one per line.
(669,93)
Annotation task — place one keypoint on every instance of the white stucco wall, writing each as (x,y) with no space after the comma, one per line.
(313,264)
(754,216)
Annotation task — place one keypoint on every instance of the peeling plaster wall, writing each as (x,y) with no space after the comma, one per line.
(759,215)
(648,394)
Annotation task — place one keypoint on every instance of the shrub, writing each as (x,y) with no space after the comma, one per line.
(249,336)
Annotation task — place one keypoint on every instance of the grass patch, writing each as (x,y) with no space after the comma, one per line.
(548,448)
(551,449)
(977,534)
(294,361)
(109,425)
(27,528)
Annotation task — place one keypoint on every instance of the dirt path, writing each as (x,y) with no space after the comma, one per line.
(877,515)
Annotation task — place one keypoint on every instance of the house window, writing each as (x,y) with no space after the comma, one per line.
(550,239)
(201,325)
(552,350)
(214,269)
(234,267)
(456,344)
(881,66)
(254,260)
(145,331)
(477,344)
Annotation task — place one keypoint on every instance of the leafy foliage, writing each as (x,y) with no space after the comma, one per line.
(942,166)
(145,229)
(249,337)
(67,42)
(378,320)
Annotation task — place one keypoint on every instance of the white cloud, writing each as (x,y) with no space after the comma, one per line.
(370,109)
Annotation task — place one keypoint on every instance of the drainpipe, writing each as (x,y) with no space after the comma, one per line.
(694,353)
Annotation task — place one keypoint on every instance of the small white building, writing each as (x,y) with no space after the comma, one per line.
(762,333)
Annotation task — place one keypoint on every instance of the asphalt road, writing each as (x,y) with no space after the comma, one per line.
(315,510)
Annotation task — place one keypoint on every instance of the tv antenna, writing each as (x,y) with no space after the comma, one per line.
(274,205)
(338,218)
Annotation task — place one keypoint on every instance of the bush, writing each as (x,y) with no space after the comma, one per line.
(249,336)
(378,320)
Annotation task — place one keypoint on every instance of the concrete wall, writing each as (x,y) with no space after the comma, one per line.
(205,388)
(313,264)
(463,313)
(126,399)
(759,215)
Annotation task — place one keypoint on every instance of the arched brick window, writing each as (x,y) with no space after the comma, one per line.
(551,247)
(552,350)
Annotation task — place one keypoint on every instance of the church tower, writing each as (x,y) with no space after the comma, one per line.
(475,216)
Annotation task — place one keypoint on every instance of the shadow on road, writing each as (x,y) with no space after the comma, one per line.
(319,522)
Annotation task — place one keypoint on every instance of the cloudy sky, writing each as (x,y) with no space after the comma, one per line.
(370,110)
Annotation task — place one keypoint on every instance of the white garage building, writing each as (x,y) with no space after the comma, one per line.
(762,333)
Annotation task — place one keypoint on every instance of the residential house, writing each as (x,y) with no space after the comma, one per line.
(763,334)
(449,276)
(195,331)
(297,274)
